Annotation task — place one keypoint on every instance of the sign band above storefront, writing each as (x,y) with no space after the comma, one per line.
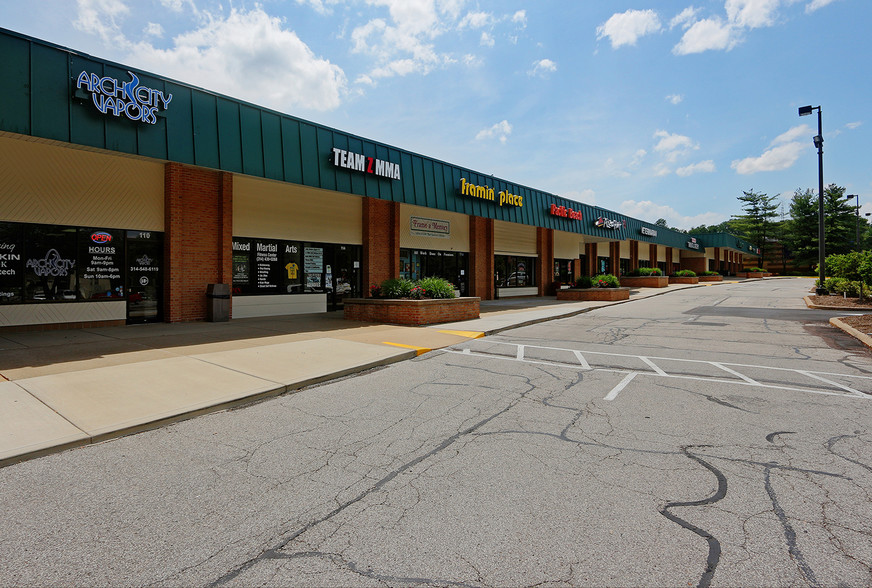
(135,102)
(363,163)
(487,193)
(565,212)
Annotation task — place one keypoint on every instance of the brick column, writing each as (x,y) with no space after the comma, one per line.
(615,257)
(590,251)
(198,210)
(717,256)
(481,257)
(668,260)
(381,242)
(545,267)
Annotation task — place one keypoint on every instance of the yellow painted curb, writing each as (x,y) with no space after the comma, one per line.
(470,334)
(418,350)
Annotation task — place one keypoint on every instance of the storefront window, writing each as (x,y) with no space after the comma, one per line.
(58,263)
(50,265)
(426,263)
(563,270)
(101,257)
(603,265)
(11,262)
(514,271)
(625,266)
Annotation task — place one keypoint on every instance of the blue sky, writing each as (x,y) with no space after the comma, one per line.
(653,108)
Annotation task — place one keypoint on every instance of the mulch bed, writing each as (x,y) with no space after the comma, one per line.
(862,323)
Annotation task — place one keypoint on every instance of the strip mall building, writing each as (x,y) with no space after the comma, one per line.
(124,194)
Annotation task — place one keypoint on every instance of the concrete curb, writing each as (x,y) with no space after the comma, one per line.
(862,337)
(811,304)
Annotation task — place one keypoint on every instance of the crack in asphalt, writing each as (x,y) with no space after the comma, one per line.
(714,554)
(274,552)
(789,532)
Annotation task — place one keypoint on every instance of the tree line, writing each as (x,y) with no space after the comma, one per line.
(788,240)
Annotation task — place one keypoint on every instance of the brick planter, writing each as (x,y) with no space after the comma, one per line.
(411,312)
(645,281)
(711,278)
(607,294)
(683,280)
(758,274)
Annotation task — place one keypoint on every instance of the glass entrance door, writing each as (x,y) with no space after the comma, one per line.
(144,277)
(343,274)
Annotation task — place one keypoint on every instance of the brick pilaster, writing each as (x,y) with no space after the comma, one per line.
(481,257)
(381,242)
(198,210)
(545,267)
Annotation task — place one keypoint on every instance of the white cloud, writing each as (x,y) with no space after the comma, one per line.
(404,46)
(706,35)
(752,14)
(646,209)
(627,27)
(486,40)
(153,29)
(174,5)
(775,159)
(501,130)
(475,20)
(703,167)
(816,4)
(673,146)
(853,125)
(675,98)
(542,67)
(101,18)
(319,6)
(685,18)
(520,17)
(251,56)
(783,152)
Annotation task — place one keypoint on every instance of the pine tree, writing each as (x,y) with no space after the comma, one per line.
(756,223)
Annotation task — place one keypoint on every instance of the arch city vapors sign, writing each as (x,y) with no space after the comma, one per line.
(124,98)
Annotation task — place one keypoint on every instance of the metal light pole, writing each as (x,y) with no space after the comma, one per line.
(819,143)
(857,196)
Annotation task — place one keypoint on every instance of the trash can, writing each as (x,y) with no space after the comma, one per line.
(218,307)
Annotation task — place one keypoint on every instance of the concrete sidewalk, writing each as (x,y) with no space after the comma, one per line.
(61,389)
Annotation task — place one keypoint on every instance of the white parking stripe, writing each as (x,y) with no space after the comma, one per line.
(735,373)
(836,384)
(621,385)
(520,353)
(582,360)
(707,379)
(653,365)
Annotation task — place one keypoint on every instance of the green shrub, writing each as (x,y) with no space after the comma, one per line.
(435,288)
(656,271)
(684,274)
(396,288)
(606,281)
(755,269)
(841,286)
(710,273)
(584,282)
(423,288)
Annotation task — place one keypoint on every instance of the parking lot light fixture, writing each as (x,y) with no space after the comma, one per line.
(819,143)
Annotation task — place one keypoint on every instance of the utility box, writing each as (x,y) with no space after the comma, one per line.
(218,307)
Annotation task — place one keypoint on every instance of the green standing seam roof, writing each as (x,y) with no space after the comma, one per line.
(206,129)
